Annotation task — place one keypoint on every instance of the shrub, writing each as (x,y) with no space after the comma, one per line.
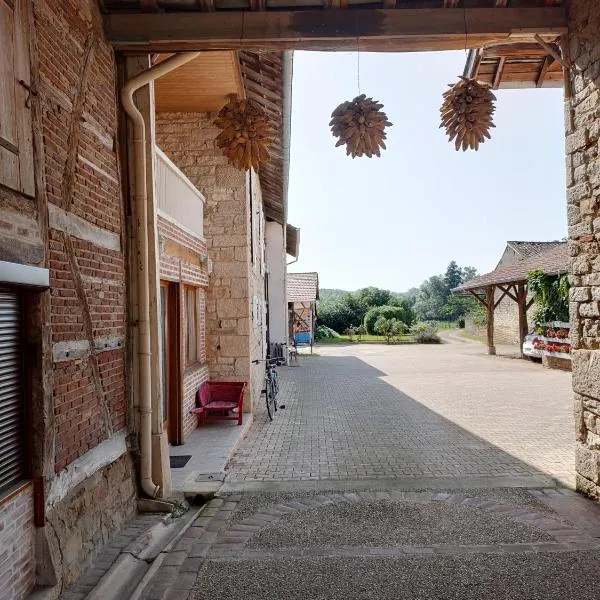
(323,333)
(400,313)
(425,333)
(390,328)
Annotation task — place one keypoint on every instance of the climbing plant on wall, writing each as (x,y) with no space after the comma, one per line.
(550,294)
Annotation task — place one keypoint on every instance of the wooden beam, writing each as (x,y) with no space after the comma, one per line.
(507,291)
(489,293)
(521,303)
(499,71)
(258,5)
(149,5)
(376,29)
(500,299)
(542,74)
(553,51)
(206,5)
(477,297)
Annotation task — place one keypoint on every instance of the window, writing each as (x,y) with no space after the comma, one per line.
(16,146)
(12,407)
(192,352)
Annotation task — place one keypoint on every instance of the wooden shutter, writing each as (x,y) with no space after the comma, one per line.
(16,147)
(12,430)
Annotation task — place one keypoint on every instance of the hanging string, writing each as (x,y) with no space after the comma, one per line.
(465,20)
(357,54)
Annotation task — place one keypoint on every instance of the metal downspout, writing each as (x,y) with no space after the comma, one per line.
(141,206)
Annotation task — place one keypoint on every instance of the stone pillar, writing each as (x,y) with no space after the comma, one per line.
(582,120)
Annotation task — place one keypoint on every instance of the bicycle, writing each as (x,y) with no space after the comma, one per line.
(271,385)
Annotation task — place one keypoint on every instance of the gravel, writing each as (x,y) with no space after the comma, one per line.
(393,523)
(566,576)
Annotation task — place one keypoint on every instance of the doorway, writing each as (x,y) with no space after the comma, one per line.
(170,361)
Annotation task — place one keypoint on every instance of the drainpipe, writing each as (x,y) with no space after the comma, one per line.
(141,206)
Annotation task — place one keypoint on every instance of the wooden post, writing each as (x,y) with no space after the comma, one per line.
(489,302)
(521,303)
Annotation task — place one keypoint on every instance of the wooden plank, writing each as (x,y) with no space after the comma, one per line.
(9,139)
(206,5)
(499,71)
(375,29)
(24,92)
(542,74)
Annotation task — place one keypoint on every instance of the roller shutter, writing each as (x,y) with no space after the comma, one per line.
(12,413)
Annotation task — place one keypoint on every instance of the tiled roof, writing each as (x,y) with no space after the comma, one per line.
(302,287)
(553,261)
(527,249)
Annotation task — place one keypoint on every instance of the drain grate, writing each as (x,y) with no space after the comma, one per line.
(178,462)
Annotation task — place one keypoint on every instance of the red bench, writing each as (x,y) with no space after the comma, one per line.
(216,400)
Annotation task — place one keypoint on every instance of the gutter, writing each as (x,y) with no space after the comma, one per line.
(288,74)
(141,206)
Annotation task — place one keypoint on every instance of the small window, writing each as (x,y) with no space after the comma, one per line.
(191,326)
(13,446)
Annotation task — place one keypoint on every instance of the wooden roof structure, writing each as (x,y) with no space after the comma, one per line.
(370,25)
(512,66)
(266,82)
(292,240)
(511,280)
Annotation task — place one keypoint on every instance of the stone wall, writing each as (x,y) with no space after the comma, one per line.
(506,320)
(582,119)
(89,515)
(189,141)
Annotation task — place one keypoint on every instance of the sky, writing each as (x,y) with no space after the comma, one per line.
(394,221)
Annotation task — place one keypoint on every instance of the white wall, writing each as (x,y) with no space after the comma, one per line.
(275,253)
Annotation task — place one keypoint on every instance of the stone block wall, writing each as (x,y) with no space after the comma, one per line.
(582,120)
(90,514)
(506,320)
(189,141)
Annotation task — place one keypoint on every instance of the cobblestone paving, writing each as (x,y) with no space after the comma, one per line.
(377,412)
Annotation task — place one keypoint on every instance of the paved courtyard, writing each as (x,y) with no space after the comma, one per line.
(398,412)
(413,472)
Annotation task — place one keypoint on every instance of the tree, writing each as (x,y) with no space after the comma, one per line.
(399,313)
(453,277)
(468,273)
(336,315)
(431,299)
(390,328)
(373,296)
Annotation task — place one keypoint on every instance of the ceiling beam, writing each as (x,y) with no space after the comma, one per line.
(542,75)
(376,29)
(498,74)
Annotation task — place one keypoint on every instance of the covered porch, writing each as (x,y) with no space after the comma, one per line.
(510,282)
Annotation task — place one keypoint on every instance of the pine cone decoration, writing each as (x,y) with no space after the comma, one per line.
(246,134)
(467,113)
(360,125)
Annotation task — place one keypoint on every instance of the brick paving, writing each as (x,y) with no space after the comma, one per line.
(377,412)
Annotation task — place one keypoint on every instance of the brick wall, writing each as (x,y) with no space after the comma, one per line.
(17,545)
(87,267)
(582,120)
(183,260)
(79,400)
(189,141)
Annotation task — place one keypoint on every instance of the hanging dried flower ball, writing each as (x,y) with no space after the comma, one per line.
(467,113)
(246,135)
(360,125)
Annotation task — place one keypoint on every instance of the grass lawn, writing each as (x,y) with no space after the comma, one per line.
(366,339)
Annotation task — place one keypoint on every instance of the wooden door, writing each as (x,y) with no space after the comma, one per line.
(170,362)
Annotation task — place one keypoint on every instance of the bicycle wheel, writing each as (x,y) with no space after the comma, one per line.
(270,397)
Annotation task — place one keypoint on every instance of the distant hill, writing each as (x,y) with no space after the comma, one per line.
(329,295)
